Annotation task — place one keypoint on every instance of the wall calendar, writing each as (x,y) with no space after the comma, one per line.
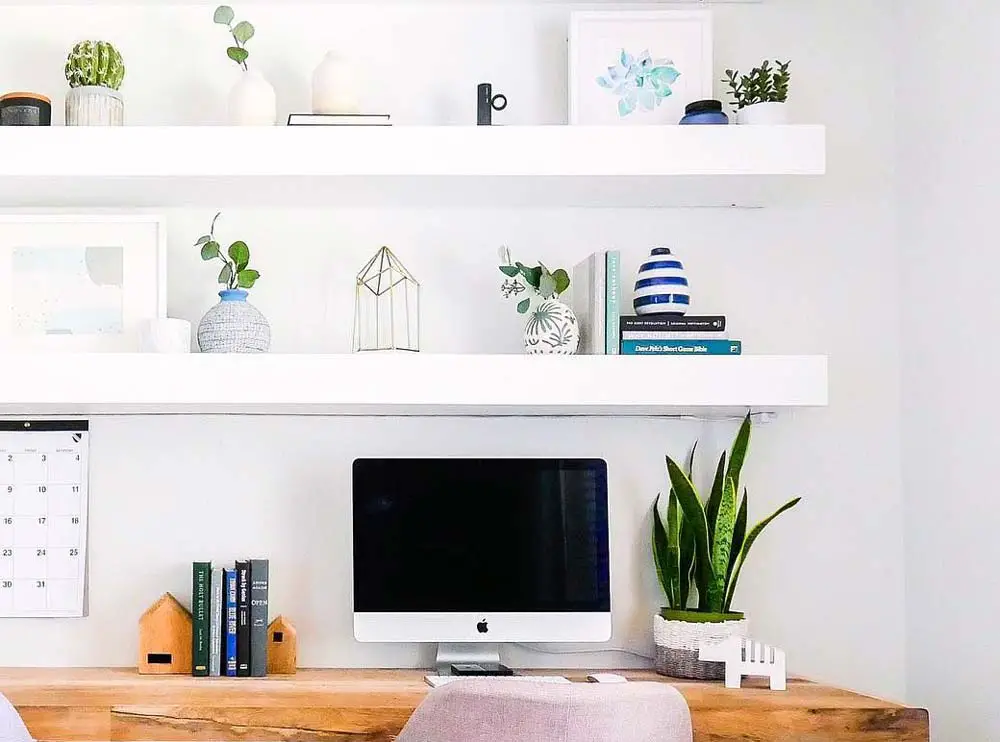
(43,517)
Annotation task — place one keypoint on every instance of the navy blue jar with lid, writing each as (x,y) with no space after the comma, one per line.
(705,112)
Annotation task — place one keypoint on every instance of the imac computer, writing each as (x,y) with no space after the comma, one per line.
(470,553)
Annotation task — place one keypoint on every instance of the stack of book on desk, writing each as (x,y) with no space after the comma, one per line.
(674,335)
(229,612)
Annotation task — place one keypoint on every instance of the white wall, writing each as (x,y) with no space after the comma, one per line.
(949,167)
(826,582)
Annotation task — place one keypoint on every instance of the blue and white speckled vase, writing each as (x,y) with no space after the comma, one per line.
(234,325)
(661,286)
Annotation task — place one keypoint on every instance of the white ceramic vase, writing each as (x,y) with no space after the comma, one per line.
(334,86)
(252,101)
(551,329)
(94,105)
(763,114)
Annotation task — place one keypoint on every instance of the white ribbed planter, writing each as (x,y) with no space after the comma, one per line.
(94,105)
(677,644)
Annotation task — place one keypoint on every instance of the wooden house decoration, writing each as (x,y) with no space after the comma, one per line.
(282,647)
(386,306)
(165,638)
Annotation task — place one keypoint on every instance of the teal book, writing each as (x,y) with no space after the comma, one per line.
(682,347)
(200,613)
(612,301)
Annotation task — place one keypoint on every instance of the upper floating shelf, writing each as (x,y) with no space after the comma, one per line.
(408,165)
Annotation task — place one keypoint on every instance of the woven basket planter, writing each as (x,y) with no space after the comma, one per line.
(678,636)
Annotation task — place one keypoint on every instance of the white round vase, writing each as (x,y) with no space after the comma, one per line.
(234,325)
(252,101)
(551,329)
(763,114)
(94,105)
(661,286)
(334,86)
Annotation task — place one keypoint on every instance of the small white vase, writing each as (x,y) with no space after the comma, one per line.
(763,114)
(551,329)
(334,86)
(167,335)
(252,101)
(94,105)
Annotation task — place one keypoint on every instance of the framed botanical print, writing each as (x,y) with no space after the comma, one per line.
(638,67)
(80,283)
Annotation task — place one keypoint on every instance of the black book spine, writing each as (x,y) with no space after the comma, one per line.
(669,323)
(258,617)
(242,619)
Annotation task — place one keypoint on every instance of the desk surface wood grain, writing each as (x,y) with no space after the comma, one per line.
(119,705)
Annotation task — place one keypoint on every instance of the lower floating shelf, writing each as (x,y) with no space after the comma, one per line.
(395,384)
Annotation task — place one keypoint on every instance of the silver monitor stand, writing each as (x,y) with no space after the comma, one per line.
(463,654)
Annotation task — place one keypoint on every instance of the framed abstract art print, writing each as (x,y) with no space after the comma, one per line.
(79,283)
(638,67)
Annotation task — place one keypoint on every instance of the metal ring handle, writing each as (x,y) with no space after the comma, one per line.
(495,102)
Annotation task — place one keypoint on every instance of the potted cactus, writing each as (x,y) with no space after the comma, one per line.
(95,71)
(699,551)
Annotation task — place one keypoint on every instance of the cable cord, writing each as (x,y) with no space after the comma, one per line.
(619,650)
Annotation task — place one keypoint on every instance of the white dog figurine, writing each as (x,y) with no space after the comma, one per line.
(745,657)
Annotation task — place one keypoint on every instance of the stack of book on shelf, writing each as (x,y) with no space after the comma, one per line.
(339,119)
(674,335)
(229,608)
(595,296)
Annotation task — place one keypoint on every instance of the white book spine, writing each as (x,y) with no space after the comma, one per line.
(215,624)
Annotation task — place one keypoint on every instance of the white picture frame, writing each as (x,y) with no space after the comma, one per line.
(597,40)
(82,283)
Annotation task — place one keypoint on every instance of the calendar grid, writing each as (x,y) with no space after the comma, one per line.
(43,517)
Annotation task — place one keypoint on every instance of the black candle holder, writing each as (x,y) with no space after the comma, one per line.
(487,103)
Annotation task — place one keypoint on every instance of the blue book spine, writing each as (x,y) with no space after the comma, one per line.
(613,302)
(682,347)
(230,578)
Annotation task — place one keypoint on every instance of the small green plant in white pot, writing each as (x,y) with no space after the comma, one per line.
(252,100)
(552,327)
(700,549)
(761,97)
(95,71)
(234,325)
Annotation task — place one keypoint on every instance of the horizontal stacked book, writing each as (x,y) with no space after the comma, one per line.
(229,611)
(339,119)
(674,335)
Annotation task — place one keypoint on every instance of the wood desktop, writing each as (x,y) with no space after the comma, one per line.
(119,705)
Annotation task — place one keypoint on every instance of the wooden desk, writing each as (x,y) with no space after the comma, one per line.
(86,705)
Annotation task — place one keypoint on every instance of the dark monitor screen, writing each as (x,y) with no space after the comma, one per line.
(466,535)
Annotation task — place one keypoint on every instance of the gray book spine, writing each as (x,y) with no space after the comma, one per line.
(216,606)
(258,617)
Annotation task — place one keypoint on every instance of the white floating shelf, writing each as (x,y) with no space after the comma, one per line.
(408,384)
(408,165)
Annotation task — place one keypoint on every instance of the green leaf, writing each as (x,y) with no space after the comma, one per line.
(661,555)
(226,275)
(243,32)
(686,560)
(224,15)
(202,240)
(523,305)
(694,513)
(562,280)
(739,534)
(509,270)
(712,508)
(247,278)
(210,251)
(532,275)
(239,253)
(751,537)
(739,453)
(237,55)
(547,286)
(722,547)
(674,549)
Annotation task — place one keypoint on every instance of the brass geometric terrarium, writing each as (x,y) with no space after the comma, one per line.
(386,306)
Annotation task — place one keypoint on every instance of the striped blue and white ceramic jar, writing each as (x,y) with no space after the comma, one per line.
(661,286)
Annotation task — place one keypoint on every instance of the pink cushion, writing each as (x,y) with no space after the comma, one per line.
(509,710)
(12,729)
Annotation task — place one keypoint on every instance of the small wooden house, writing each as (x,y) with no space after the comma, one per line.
(165,638)
(282,647)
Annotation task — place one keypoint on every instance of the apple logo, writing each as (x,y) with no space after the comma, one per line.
(482,627)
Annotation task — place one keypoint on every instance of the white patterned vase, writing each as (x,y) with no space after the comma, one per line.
(94,105)
(661,286)
(552,328)
(234,325)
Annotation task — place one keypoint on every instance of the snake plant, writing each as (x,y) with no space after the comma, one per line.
(706,544)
